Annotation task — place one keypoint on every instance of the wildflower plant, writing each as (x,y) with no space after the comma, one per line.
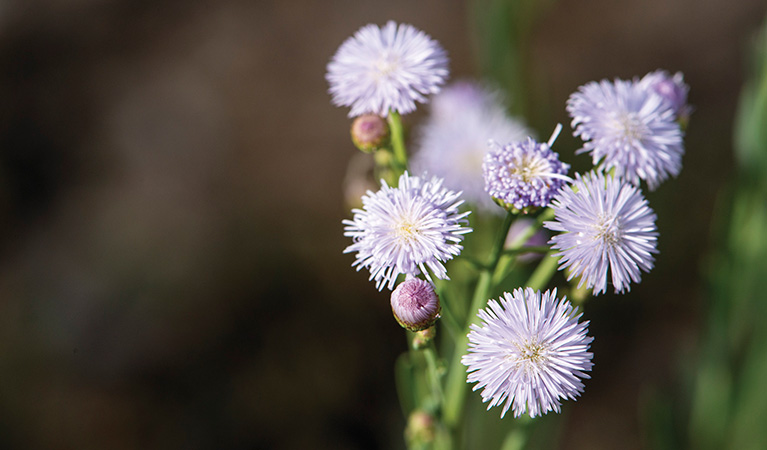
(529,350)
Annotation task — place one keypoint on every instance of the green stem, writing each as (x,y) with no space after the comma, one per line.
(543,273)
(399,164)
(455,383)
(532,249)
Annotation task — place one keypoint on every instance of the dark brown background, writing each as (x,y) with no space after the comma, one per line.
(171,173)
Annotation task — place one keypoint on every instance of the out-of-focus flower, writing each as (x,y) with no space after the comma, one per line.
(629,128)
(529,351)
(383,69)
(463,117)
(524,175)
(606,223)
(407,229)
(672,88)
(415,304)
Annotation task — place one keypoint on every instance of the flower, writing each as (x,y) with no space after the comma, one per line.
(605,223)
(405,229)
(524,175)
(530,351)
(672,88)
(415,304)
(389,68)
(628,127)
(452,143)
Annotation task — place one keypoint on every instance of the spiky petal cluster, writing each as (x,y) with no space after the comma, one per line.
(529,351)
(407,229)
(523,175)
(606,223)
(383,69)
(463,117)
(627,126)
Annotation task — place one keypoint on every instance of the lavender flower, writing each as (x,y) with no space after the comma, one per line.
(605,223)
(415,305)
(389,68)
(405,229)
(672,88)
(628,127)
(524,175)
(530,351)
(453,142)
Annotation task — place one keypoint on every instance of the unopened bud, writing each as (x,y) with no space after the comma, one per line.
(673,89)
(369,132)
(415,304)
(420,429)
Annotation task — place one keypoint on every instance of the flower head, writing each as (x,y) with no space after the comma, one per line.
(629,127)
(407,229)
(463,117)
(672,88)
(524,175)
(389,68)
(606,223)
(415,304)
(530,351)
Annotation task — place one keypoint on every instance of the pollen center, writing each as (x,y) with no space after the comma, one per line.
(531,353)
(628,126)
(528,167)
(608,230)
(406,231)
(386,65)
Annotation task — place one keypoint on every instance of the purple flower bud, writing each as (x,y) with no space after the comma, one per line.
(415,304)
(672,88)
(369,132)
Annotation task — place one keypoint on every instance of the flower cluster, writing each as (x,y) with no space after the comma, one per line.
(524,175)
(530,351)
(407,229)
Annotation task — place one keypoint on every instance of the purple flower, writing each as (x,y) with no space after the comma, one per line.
(672,88)
(530,351)
(524,175)
(452,144)
(383,69)
(606,223)
(628,127)
(407,229)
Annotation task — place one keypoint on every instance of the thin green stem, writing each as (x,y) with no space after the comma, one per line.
(455,383)
(531,249)
(399,164)
(543,273)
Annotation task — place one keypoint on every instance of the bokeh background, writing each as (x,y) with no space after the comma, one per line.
(171,197)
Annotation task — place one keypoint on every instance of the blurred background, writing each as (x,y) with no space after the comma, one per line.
(171,197)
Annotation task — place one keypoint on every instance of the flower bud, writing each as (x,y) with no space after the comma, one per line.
(369,132)
(673,89)
(420,429)
(415,304)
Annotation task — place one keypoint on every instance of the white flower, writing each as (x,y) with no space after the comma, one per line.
(389,68)
(530,351)
(407,229)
